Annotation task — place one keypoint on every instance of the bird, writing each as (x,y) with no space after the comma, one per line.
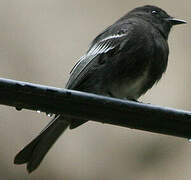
(123,61)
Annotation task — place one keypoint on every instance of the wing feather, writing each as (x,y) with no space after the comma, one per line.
(100,47)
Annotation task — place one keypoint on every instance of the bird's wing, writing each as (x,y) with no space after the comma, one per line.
(99,46)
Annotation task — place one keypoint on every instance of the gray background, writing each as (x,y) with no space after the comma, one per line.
(40,41)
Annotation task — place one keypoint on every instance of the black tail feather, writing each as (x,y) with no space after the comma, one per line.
(36,150)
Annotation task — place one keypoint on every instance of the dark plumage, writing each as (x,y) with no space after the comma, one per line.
(124,61)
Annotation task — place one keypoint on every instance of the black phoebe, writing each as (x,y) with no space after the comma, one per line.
(124,61)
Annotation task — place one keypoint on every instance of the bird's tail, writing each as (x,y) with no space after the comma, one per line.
(35,151)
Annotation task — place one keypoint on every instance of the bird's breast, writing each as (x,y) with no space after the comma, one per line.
(130,88)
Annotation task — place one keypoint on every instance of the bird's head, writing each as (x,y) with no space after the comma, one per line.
(157,17)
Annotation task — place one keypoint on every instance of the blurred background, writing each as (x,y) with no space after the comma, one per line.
(40,41)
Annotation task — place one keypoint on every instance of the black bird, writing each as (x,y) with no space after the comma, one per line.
(124,61)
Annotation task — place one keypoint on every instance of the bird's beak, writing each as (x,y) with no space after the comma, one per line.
(175,21)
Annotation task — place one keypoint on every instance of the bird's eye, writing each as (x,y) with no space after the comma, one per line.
(154,12)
